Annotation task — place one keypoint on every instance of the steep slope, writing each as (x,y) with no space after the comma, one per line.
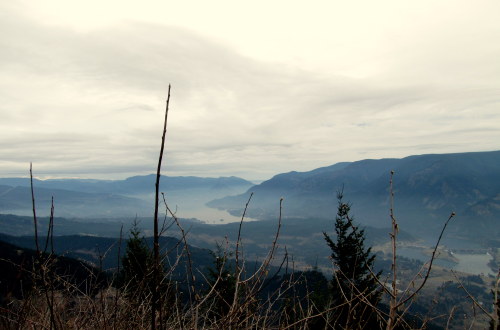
(427,189)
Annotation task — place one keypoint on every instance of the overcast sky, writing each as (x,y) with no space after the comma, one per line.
(258,87)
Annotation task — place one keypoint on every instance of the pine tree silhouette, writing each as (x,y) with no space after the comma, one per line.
(353,287)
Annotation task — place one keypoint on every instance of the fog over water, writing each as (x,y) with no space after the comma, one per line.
(473,263)
(467,262)
(192,204)
(208,215)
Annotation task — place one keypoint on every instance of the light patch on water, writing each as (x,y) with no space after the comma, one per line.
(209,215)
(473,263)
(191,203)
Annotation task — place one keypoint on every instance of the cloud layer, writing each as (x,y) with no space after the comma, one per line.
(90,104)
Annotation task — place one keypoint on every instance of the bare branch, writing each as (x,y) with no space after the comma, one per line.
(155,305)
(433,257)
(34,209)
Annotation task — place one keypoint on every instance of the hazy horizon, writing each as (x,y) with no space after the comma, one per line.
(123,176)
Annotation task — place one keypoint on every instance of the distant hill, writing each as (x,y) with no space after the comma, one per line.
(135,185)
(111,198)
(67,202)
(427,189)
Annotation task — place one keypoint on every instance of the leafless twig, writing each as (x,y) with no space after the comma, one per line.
(155,305)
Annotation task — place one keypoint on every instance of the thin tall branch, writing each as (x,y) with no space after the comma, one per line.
(34,209)
(156,248)
(471,297)
(394,303)
(403,299)
(261,271)
(50,230)
(115,308)
(496,302)
(186,247)
(394,291)
(238,240)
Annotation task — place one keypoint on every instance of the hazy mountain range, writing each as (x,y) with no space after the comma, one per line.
(131,186)
(110,198)
(427,188)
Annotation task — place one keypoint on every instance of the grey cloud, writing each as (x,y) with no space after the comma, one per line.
(136,107)
(95,103)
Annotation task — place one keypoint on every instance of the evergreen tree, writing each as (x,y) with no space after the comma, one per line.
(136,276)
(222,277)
(137,266)
(307,295)
(353,288)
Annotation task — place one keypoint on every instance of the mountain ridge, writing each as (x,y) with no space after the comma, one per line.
(140,182)
(427,188)
(90,198)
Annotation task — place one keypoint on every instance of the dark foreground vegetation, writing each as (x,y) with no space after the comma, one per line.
(221,289)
